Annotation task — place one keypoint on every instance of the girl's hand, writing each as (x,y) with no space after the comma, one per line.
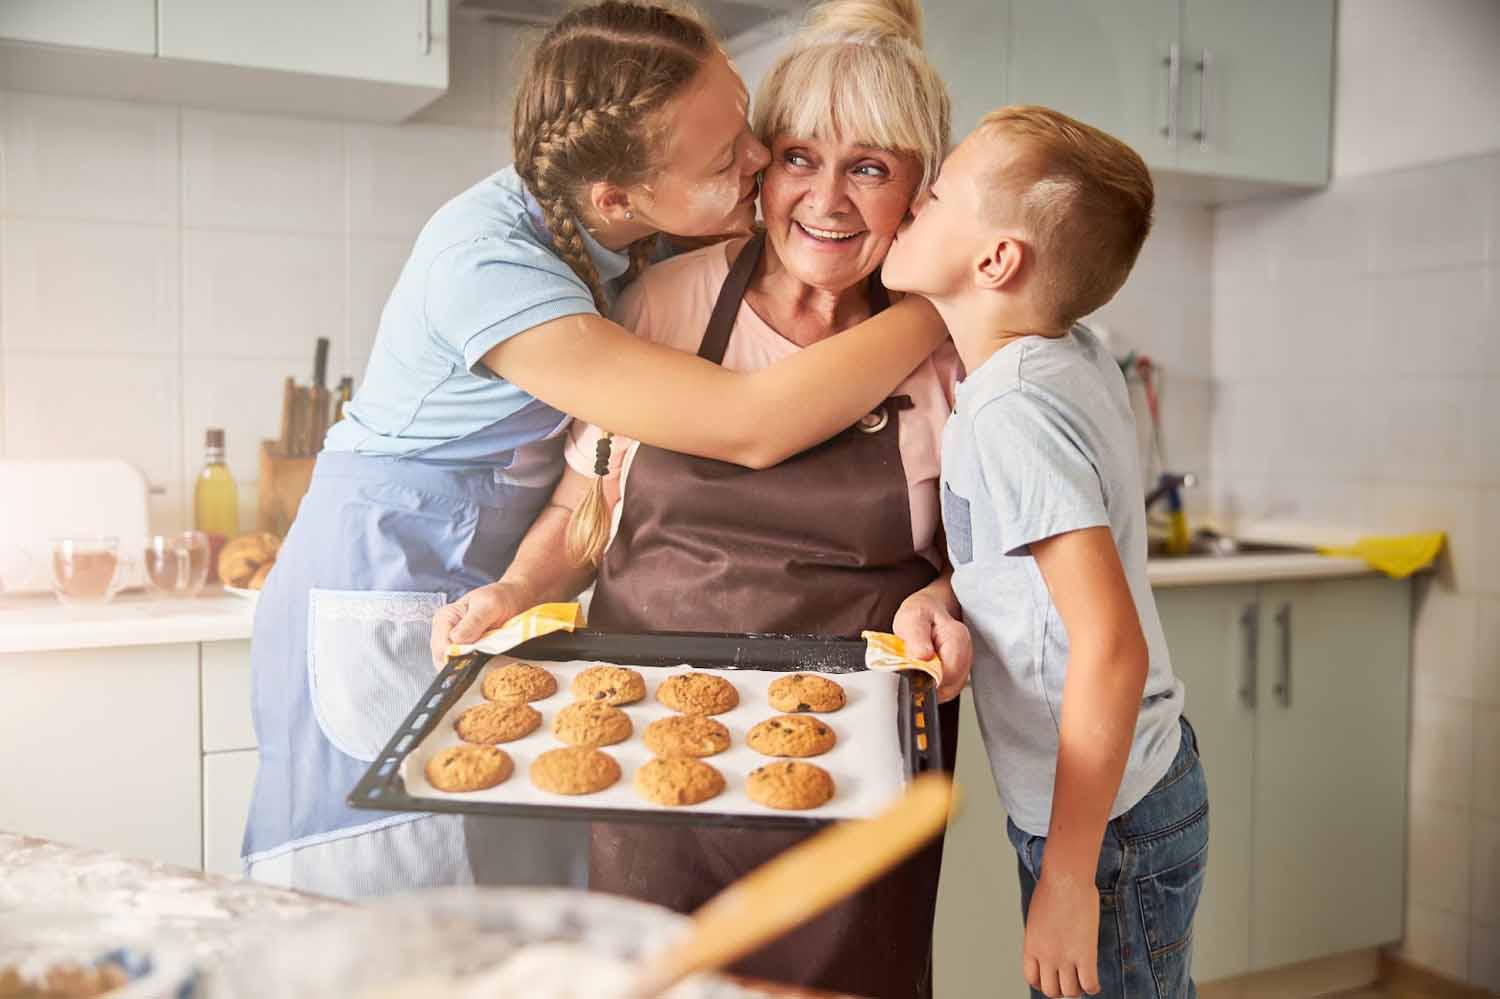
(474,613)
(928,627)
(1062,937)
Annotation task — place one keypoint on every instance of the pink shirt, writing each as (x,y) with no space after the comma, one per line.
(670,304)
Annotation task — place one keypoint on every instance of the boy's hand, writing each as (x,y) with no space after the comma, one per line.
(928,627)
(1061,953)
(474,613)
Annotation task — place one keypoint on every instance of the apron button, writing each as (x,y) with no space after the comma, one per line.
(874,423)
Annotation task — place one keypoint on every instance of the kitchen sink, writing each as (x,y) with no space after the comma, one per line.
(1210,545)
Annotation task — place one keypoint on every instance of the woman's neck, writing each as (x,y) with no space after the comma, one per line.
(800,312)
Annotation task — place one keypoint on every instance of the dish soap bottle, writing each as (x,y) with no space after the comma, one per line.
(216,499)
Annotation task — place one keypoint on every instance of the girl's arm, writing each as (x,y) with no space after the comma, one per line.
(597,371)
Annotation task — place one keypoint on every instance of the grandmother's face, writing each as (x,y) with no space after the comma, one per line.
(832,208)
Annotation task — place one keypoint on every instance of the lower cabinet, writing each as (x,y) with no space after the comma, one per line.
(228,779)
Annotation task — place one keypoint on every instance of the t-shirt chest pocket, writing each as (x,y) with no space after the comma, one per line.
(959,527)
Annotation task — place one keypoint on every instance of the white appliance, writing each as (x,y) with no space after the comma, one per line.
(43,500)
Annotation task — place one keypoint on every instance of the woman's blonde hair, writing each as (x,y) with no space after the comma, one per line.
(856,71)
(587,110)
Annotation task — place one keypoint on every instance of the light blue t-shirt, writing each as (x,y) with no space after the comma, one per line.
(1042,442)
(481,271)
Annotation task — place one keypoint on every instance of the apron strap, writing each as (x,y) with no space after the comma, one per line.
(721,323)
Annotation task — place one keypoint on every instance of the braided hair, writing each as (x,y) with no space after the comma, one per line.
(587,111)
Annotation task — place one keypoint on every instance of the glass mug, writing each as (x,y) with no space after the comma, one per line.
(177,564)
(85,570)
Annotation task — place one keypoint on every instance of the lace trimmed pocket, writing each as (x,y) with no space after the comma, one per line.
(368,663)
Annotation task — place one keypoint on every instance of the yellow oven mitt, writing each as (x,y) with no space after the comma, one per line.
(540,620)
(886,651)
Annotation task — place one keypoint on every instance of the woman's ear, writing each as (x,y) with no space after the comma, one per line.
(999,267)
(610,202)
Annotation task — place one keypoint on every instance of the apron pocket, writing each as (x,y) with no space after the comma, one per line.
(368,663)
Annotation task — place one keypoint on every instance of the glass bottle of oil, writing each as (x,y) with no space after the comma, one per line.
(216,498)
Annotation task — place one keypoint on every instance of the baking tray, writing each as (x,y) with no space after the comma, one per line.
(383,788)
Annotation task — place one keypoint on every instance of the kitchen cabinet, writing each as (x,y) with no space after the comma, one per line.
(111,25)
(1214,90)
(372,60)
(228,780)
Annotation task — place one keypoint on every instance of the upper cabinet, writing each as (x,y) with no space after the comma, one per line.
(1235,94)
(379,60)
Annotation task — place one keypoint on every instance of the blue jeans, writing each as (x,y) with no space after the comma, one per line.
(1150,876)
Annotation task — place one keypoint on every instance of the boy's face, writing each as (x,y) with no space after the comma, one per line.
(935,252)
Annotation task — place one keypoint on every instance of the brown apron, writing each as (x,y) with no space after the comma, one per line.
(820,544)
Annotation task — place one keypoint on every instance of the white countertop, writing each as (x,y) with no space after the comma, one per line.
(40,623)
(1202,570)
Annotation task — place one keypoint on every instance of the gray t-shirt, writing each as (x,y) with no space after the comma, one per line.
(1042,442)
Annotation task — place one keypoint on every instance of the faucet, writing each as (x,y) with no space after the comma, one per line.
(1169,486)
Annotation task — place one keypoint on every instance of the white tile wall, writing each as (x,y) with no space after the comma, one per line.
(1442,749)
(258,172)
(398,175)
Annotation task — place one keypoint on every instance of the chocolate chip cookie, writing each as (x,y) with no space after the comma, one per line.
(678,781)
(469,768)
(517,683)
(791,735)
(574,770)
(789,784)
(698,694)
(686,735)
(591,723)
(614,685)
(806,692)
(491,722)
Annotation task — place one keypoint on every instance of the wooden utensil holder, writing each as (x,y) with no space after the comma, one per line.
(283,482)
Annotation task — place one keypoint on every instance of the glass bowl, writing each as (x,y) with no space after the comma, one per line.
(177,564)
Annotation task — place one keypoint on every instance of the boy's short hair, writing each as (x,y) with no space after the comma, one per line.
(1085,198)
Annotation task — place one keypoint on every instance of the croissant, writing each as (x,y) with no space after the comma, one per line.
(246,560)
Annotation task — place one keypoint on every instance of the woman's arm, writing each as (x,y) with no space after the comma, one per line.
(599,372)
(540,573)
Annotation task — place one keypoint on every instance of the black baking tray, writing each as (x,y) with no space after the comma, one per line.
(917,718)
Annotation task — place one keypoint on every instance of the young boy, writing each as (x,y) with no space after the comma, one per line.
(1034,222)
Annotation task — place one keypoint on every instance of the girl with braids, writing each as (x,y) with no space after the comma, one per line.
(629,122)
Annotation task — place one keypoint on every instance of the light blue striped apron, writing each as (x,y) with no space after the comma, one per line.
(340,654)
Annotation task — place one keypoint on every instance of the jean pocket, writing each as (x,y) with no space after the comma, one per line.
(1169,901)
(958,526)
(368,663)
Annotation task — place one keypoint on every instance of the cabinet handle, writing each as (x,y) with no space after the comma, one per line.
(1173,64)
(1283,686)
(1249,664)
(424,30)
(1203,67)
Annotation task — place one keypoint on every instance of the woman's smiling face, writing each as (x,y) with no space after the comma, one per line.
(832,208)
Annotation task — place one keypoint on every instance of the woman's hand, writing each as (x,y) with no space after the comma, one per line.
(474,613)
(928,623)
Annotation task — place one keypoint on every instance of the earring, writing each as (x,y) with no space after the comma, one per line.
(629,215)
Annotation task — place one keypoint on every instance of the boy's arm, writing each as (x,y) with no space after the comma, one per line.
(1106,676)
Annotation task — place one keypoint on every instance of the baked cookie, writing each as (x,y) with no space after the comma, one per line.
(698,694)
(789,784)
(805,692)
(678,781)
(791,735)
(469,768)
(614,685)
(517,683)
(686,735)
(574,770)
(591,723)
(492,722)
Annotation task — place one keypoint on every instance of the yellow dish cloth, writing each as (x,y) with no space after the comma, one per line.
(886,651)
(540,620)
(1397,555)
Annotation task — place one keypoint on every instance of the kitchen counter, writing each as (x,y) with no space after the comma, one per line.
(41,623)
(1202,570)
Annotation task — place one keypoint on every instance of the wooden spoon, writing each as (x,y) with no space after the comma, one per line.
(802,882)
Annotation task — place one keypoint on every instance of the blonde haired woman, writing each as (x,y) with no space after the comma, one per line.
(835,540)
(629,122)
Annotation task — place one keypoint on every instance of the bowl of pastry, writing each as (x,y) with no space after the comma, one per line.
(245,562)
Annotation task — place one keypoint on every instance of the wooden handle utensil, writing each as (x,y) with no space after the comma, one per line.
(802,882)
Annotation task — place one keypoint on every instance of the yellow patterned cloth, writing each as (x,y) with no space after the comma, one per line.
(886,651)
(540,620)
(1398,556)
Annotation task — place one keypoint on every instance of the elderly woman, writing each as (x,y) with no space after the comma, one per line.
(833,541)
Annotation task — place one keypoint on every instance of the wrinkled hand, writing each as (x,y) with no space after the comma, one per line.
(929,629)
(1061,953)
(474,613)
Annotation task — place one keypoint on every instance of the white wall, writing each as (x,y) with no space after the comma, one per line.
(1418,81)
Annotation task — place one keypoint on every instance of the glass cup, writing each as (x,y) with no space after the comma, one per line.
(85,570)
(177,564)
